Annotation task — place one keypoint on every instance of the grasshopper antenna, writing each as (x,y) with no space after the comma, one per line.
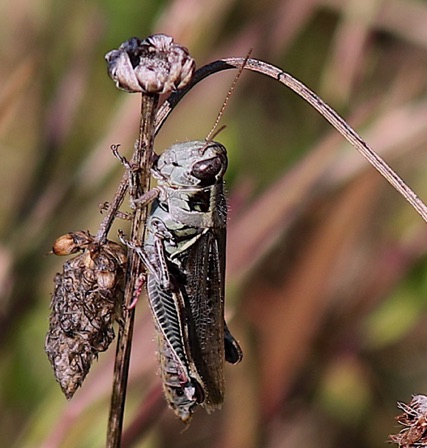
(214,131)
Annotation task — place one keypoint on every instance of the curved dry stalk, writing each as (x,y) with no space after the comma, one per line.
(326,111)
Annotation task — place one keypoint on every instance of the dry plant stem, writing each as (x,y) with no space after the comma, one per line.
(139,182)
(113,209)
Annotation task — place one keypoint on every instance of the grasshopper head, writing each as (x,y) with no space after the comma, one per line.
(191,164)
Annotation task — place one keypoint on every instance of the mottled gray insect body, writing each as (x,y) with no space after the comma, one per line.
(184,252)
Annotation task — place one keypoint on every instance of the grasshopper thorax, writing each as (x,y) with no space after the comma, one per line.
(191,164)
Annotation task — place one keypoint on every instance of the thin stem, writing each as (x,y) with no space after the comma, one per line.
(139,182)
(113,208)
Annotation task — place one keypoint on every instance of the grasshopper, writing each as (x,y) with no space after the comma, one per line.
(184,253)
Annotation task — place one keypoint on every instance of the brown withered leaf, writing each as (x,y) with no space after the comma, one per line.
(87,300)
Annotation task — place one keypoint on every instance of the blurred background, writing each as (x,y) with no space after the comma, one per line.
(327,272)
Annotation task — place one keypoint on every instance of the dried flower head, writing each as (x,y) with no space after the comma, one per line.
(86,302)
(414,422)
(152,65)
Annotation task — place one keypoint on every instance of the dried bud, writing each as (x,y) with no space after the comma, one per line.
(71,243)
(152,65)
(414,421)
(87,300)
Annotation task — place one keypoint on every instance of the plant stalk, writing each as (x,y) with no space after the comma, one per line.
(139,183)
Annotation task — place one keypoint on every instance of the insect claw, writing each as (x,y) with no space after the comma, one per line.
(123,239)
(122,159)
(138,289)
(103,206)
(132,305)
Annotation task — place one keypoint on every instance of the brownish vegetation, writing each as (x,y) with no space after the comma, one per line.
(326,262)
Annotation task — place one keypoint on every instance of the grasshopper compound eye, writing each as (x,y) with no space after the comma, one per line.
(208,170)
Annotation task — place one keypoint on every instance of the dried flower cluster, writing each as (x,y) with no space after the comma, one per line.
(152,65)
(414,421)
(86,302)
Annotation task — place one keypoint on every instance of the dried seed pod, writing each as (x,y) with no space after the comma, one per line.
(152,65)
(414,421)
(72,242)
(87,300)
